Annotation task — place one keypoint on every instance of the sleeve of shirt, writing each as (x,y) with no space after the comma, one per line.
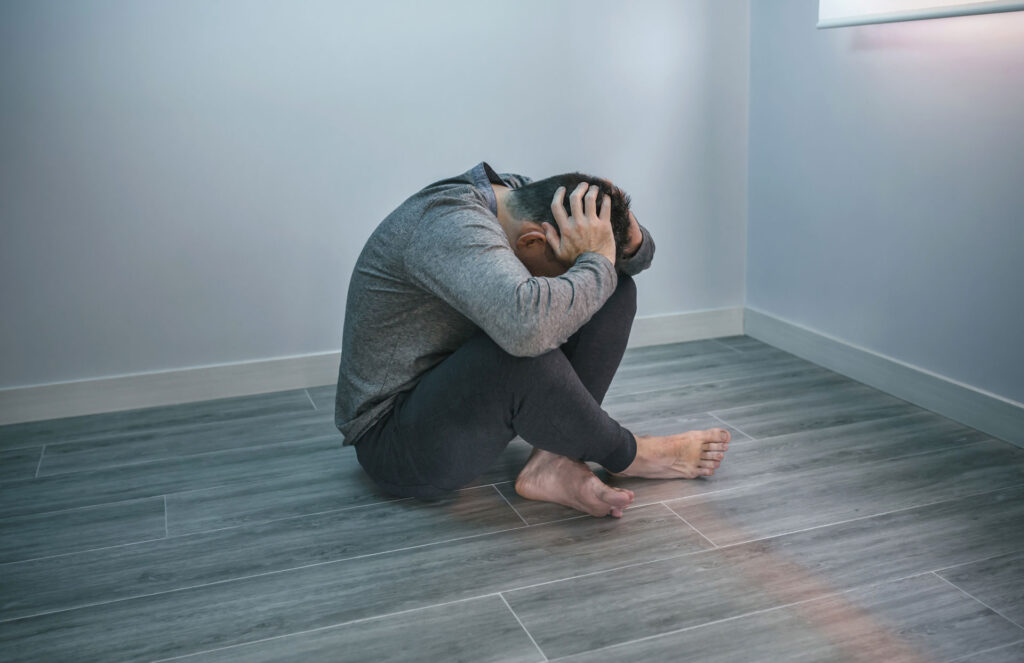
(643,257)
(462,256)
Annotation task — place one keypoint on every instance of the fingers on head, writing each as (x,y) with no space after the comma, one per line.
(591,200)
(558,205)
(576,199)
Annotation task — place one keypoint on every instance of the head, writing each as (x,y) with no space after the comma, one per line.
(531,206)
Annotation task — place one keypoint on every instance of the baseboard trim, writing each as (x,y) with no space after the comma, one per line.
(681,327)
(985,411)
(127,392)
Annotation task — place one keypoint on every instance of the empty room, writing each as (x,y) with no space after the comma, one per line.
(551,330)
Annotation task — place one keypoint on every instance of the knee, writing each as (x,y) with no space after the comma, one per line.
(507,368)
(623,300)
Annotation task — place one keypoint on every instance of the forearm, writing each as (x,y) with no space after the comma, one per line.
(547,311)
(642,256)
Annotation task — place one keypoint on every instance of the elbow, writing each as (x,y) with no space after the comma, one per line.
(526,340)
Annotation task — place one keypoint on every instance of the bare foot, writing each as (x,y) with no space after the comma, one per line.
(549,477)
(689,455)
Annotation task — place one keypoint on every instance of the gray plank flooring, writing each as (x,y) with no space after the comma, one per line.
(20,463)
(844,525)
(935,621)
(997,582)
(58,532)
(151,420)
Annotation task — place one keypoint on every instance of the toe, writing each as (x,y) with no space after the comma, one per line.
(614,497)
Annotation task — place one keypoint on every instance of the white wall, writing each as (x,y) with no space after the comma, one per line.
(887,187)
(189,183)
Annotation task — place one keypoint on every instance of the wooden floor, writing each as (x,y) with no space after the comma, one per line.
(844,525)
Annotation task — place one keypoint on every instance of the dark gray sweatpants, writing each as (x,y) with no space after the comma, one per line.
(449,428)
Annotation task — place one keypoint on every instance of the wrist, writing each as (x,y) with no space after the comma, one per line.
(630,249)
(635,238)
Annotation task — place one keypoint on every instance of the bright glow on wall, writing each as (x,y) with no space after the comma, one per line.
(838,13)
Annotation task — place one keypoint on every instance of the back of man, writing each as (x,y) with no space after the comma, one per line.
(395,328)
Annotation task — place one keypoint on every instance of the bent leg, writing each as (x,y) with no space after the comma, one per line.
(463,413)
(595,351)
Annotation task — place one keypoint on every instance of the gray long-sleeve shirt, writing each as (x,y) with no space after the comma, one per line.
(434,272)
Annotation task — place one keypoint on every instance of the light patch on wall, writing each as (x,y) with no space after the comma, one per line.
(839,13)
(962,40)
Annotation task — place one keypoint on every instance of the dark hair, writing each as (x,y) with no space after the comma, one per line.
(533,202)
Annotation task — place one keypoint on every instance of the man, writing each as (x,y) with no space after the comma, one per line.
(483,308)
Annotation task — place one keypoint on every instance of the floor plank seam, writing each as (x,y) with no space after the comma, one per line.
(253,480)
(733,426)
(510,505)
(929,452)
(601,571)
(84,507)
(979,560)
(976,599)
(822,597)
(690,525)
(76,552)
(826,429)
(198,532)
(809,372)
(200,455)
(755,483)
(42,452)
(156,428)
(684,629)
(250,576)
(327,627)
(311,514)
(544,657)
(726,345)
(353,507)
(967,657)
(873,515)
(311,401)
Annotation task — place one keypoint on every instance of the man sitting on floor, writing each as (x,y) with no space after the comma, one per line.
(483,308)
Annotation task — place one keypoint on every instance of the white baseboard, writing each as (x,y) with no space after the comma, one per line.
(127,392)
(680,327)
(987,412)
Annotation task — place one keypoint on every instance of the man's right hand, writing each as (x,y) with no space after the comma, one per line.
(585,229)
